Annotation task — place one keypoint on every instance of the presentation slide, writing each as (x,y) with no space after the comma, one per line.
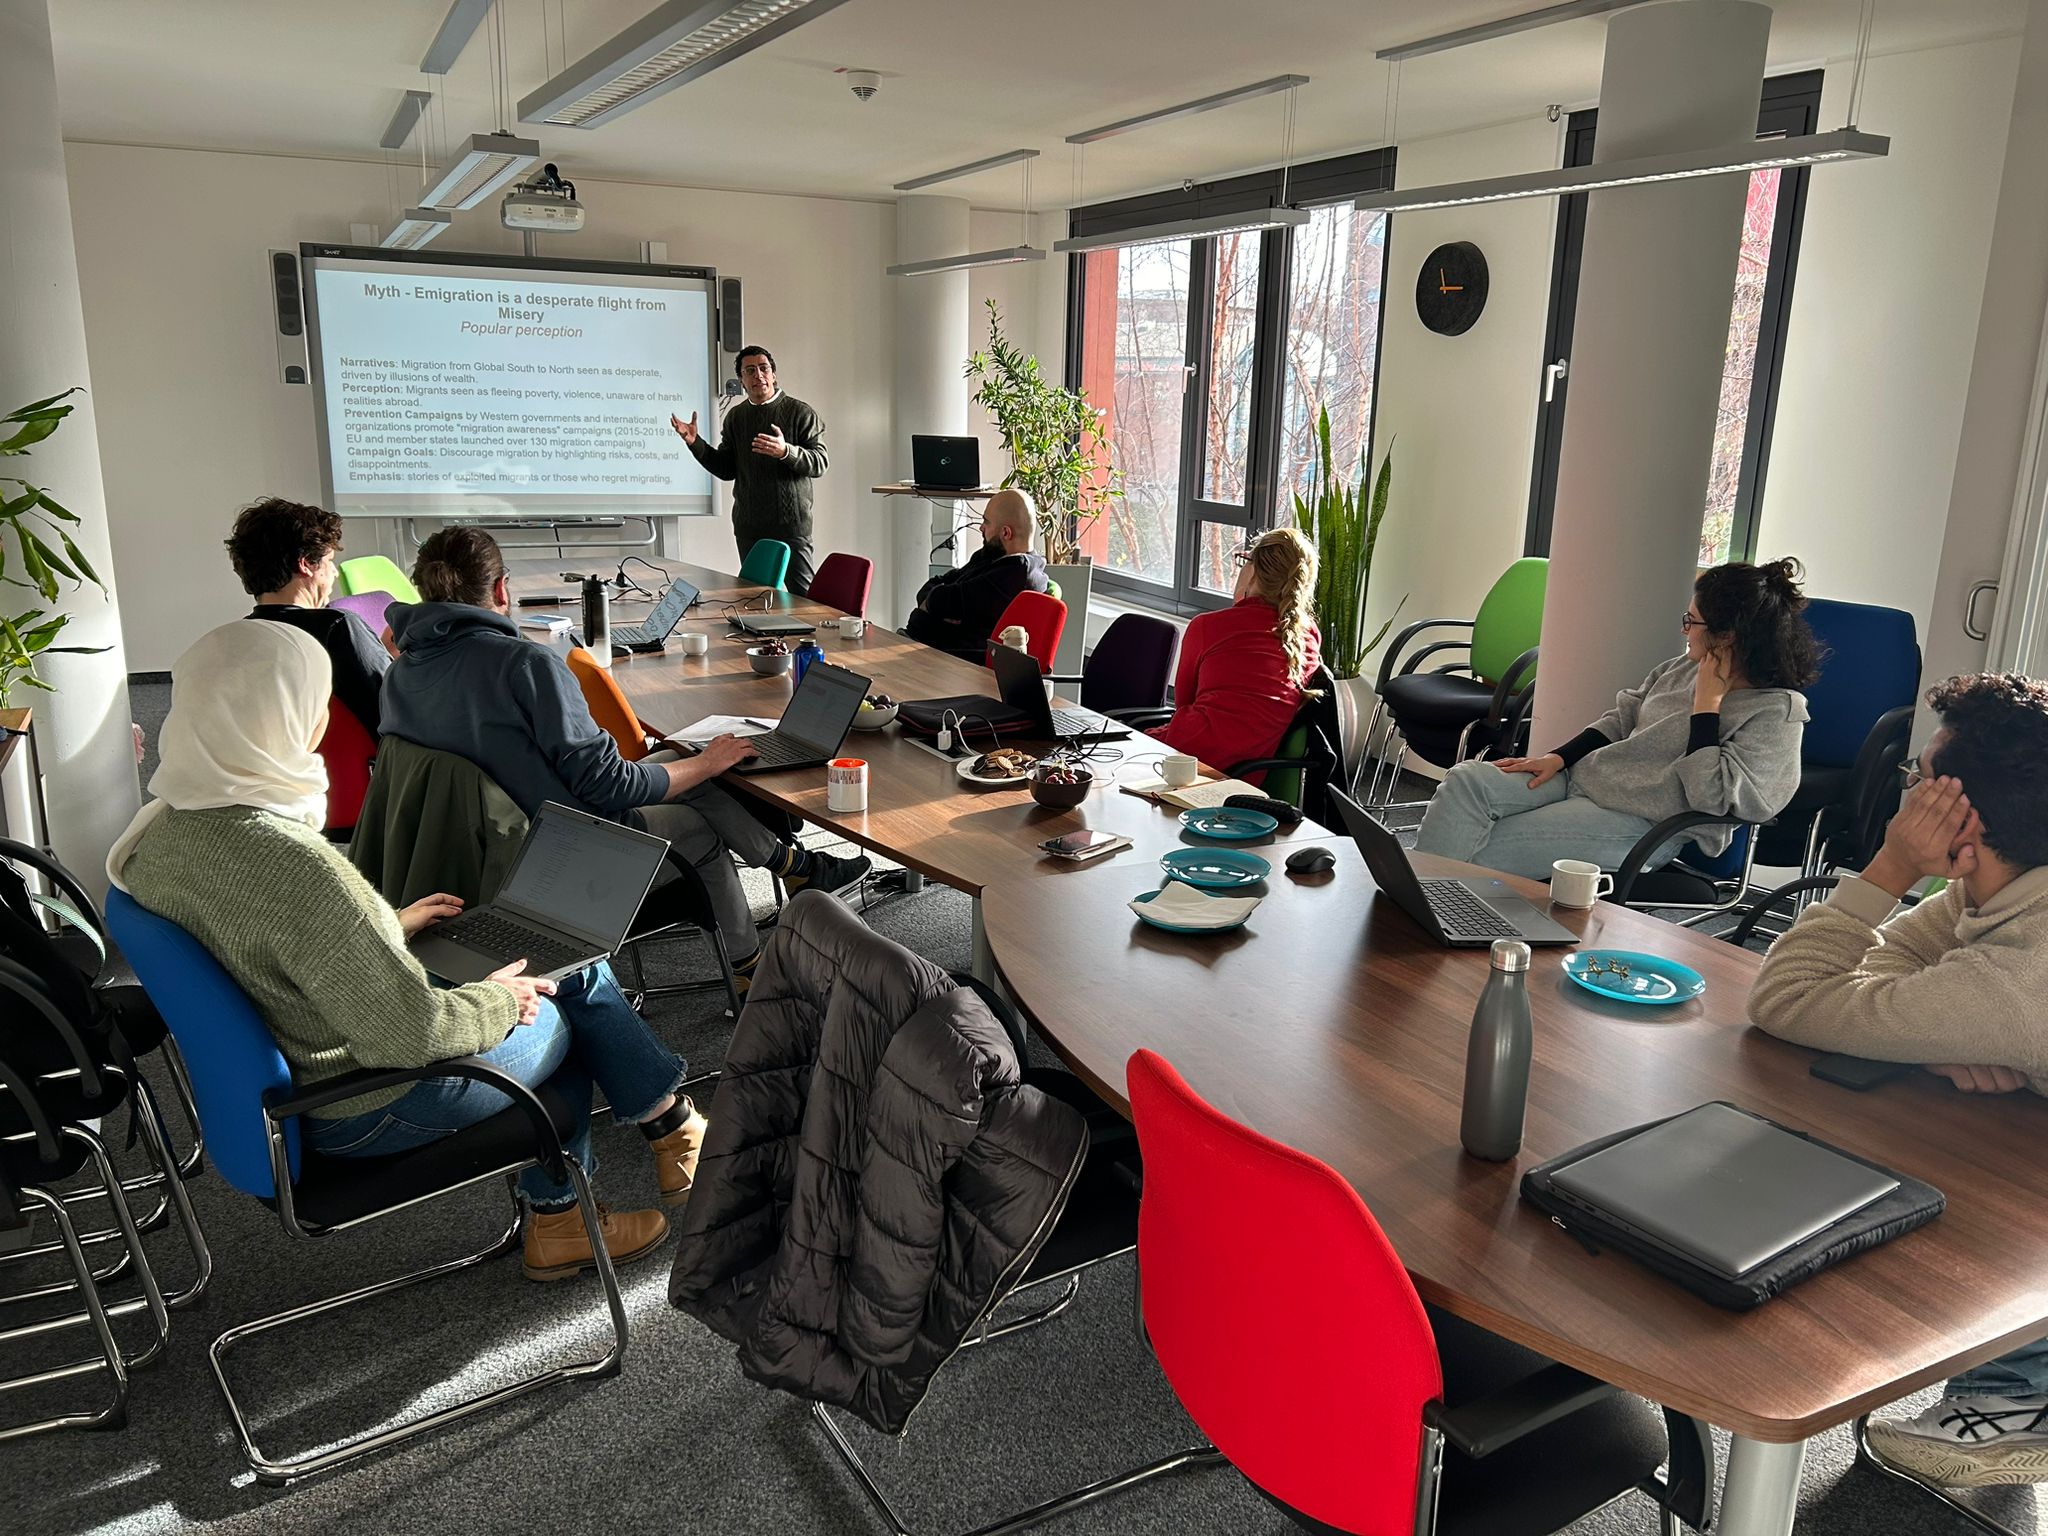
(508,391)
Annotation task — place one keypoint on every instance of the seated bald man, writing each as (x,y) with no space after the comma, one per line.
(958,611)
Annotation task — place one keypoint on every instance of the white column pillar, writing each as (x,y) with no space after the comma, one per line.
(82,729)
(931,392)
(1655,288)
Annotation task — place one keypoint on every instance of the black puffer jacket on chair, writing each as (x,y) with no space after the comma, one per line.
(876,1175)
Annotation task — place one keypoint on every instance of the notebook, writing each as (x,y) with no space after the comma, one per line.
(1202,795)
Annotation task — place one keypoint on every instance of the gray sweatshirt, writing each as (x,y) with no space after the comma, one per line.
(1658,759)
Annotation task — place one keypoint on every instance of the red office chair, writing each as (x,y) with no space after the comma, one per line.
(843,582)
(349,751)
(1044,620)
(1301,1350)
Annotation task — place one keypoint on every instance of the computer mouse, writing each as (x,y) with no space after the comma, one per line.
(1310,861)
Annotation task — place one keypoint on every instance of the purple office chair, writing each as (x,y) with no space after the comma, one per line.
(367,606)
(1130,666)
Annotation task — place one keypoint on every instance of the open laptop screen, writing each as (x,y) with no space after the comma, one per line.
(668,613)
(823,707)
(581,874)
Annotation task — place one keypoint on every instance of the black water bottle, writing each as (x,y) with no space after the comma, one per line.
(597,620)
(1497,1058)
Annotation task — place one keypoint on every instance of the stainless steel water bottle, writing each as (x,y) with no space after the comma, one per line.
(597,620)
(1497,1058)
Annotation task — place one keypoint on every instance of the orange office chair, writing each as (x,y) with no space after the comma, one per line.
(610,707)
(1044,620)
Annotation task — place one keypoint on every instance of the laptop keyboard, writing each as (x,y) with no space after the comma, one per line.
(1460,912)
(1081,722)
(509,941)
(778,750)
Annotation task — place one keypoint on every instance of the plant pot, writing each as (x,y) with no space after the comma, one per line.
(1075,582)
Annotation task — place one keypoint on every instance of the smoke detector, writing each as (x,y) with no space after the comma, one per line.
(862,82)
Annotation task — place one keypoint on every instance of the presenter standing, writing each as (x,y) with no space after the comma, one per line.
(771,448)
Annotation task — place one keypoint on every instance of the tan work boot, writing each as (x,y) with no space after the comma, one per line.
(558,1247)
(675,1158)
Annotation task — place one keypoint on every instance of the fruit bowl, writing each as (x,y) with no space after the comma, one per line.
(1060,786)
(875,713)
(769,663)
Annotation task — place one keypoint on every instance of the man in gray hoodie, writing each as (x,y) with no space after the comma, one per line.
(467,682)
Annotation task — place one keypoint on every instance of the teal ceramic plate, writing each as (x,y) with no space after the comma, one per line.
(1215,869)
(1229,823)
(1181,927)
(1629,977)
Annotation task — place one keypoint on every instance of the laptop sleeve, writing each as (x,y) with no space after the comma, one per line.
(1912,1204)
(978,715)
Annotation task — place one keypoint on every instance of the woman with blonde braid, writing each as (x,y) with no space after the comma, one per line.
(1239,683)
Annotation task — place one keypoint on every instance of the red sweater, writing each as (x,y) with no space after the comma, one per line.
(1233,699)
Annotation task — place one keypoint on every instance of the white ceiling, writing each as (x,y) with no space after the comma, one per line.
(964,79)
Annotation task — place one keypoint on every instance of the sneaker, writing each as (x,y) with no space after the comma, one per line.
(1969,1442)
(558,1247)
(827,872)
(675,1158)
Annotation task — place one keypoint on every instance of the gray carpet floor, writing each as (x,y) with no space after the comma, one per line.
(679,1440)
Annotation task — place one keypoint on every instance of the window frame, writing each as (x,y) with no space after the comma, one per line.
(1335,180)
(1790,106)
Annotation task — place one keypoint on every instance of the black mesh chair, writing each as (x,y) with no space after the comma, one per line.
(251,1106)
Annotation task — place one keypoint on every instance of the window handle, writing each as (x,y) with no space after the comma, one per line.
(1971,626)
(1552,373)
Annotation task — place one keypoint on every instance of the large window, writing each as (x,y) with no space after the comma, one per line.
(1212,358)
(1756,326)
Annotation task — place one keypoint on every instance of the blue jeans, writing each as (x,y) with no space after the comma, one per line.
(2023,1373)
(1484,816)
(586,1033)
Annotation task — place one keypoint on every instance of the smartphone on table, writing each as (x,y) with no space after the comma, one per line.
(1088,843)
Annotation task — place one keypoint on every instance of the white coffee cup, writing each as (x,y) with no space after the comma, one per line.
(846,784)
(1575,883)
(694,642)
(852,627)
(1179,770)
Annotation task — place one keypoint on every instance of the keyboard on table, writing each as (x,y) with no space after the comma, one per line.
(777,749)
(1083,722)
(509,941)
(1460,912)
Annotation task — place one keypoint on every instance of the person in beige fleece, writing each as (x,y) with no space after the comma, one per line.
(1954,984)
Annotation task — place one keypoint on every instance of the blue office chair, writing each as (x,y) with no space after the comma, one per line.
(1861,709)
(766,564)
(249,1106)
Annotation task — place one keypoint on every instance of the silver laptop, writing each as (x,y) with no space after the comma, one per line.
(814,723)
(1463,913)
(1720,1187)
(568,902)
(661,619)
(771,624)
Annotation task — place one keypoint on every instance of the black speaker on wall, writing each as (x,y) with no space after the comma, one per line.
(731,320)
(288,306)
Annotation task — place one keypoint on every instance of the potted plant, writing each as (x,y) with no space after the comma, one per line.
(1344,526)
(41,551)
(1059,456)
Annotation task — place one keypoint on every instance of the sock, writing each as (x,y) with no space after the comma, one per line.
(743,972)
(669,1120)
(796,861)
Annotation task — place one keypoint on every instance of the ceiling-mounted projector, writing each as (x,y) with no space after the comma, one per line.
(545,202)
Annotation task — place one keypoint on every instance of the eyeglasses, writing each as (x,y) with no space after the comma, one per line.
(1687,623)
(1911,769)
(1241,557)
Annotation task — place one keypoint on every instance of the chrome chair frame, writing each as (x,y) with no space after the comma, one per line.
(284,1108)
(1730,889)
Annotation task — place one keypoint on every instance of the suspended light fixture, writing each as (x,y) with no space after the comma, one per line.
(420,226)
(670,46)
(1806,149)
(1005,256)
(486,162)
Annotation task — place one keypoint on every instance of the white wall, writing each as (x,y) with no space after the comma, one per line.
(1885,304)
(194,421)
(1459,412)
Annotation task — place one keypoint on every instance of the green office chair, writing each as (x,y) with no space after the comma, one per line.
(1463,706)
(1052,589)
(766,564)
(374,573)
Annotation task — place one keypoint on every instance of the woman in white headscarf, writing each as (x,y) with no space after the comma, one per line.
(230,850)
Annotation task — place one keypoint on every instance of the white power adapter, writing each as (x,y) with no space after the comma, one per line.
(946,723)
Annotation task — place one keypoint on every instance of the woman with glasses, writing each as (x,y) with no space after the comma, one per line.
(1242,669)
(1716,729)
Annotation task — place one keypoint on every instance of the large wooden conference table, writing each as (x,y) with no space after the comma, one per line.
(1333,1024)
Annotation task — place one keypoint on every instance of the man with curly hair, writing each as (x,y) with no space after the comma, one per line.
(1956,985)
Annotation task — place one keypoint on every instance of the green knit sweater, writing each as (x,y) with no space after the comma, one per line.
(771,498)
(320,953)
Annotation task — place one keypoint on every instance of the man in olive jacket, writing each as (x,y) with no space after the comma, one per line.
(771,449)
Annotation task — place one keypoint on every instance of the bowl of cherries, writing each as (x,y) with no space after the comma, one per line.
(771,658)
(1059,785)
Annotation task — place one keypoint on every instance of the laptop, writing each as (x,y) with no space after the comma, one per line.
(769,625)
(1022,686)
(661,619)
(819,715)
(1722,1188)
(1463,913)
(945,463)
(572,894)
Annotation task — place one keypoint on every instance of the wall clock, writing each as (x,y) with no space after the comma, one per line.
(1450,290)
